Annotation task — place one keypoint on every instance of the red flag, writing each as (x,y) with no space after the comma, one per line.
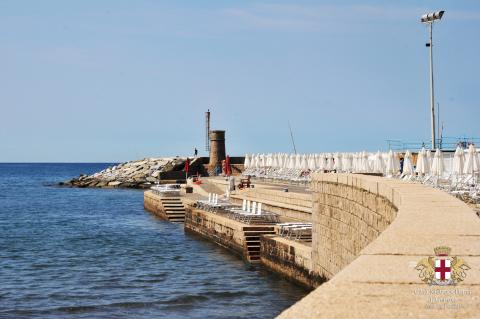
(228,171)
(187,165)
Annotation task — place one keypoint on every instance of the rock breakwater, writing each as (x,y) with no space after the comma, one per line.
(134,174)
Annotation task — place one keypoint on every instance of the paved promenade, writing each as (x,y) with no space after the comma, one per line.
(382,281)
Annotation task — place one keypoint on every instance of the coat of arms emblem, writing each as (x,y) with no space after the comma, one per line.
(442,269)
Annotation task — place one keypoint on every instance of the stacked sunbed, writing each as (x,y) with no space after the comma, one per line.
(296,231)
(252,213)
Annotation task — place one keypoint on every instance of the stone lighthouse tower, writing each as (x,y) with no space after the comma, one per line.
(217,149)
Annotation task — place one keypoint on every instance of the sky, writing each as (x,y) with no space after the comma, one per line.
(113,80)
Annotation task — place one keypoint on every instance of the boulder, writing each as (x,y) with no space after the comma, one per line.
(116,183)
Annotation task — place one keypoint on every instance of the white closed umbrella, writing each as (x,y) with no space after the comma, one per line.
(323,162)
(280,160)
(472,162)
(378,164)
(269,160)
(304,163)
(298,162)
(283,160)
(292,164)
(438,165)
(458,161)
(352,162)
(255,161)
(338,164)
(391,166)
(318,161)
(246,163)
(311,163)
(347,162)
(355,162)
(365,166)
(429,160)
(422,166)
(330,163)
(275,160)
(407,164)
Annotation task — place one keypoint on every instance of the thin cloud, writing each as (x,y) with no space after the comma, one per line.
(315,17)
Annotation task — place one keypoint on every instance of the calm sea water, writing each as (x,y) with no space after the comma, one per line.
(95,253)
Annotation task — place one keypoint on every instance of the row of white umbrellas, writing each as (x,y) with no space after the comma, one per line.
(463,162)
(387,163)
(360,162)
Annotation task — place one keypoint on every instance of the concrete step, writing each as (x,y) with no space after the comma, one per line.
(175,212)
(174,209)
(176,216)
(253,244)
(249,233)
(258,228)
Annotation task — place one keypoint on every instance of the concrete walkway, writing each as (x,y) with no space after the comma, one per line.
(382,281)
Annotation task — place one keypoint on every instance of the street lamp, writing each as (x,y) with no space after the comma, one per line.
(429,18)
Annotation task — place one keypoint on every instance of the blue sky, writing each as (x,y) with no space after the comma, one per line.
(119,80)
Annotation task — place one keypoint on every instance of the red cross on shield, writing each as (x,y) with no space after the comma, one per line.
(443,269)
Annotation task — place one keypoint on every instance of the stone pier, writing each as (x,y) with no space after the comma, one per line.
(369,235)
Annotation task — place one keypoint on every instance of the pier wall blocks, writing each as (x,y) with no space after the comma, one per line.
(346,218)
(152,203)
(221,230)
(289,258)
(370,233)
(288,204)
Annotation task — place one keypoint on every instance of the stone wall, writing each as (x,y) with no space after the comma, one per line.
(151,203)
(221,230)
(346,219)
(289,258)
(351,221)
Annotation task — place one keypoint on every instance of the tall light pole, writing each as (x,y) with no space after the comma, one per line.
(429,18)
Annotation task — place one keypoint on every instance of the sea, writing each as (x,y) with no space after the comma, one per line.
(96,253)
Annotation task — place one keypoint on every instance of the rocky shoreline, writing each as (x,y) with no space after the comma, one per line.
(133,174)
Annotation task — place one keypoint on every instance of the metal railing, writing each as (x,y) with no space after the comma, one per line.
(445,143)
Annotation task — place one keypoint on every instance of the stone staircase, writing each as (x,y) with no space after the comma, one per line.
(173,208)
(252,239)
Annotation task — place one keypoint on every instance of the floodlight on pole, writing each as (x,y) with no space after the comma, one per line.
(429,18)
